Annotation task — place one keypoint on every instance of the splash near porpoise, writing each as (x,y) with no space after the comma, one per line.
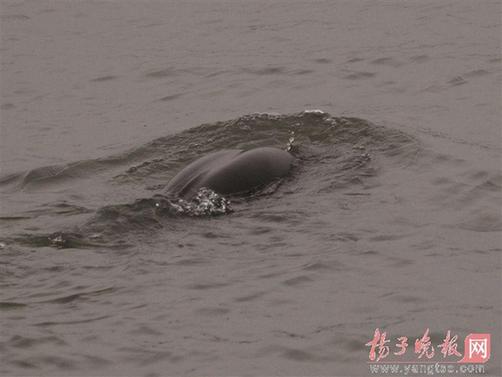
(210,169)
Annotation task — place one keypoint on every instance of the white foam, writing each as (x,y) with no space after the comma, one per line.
(313,111)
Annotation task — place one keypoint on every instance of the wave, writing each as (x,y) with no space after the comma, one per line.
(332,154)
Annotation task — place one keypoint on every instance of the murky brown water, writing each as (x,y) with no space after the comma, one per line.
(392,223)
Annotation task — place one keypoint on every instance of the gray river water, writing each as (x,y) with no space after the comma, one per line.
(390,218)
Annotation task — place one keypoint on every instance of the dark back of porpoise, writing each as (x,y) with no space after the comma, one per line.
(231,171)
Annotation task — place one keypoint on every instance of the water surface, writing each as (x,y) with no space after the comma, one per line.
(390,218)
